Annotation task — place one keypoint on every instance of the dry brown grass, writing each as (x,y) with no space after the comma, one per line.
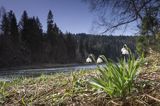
(73,89)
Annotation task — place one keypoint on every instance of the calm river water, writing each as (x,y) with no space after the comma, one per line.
(11,74)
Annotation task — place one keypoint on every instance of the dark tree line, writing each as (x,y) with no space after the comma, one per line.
(25,43)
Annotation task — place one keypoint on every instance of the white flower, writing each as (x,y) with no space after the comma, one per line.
(99,60)
(88,60)
(146,63)
(124,51)
(125,45)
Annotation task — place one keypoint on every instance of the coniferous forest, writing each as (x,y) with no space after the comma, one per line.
(25,42)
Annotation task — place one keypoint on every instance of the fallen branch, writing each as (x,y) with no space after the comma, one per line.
(115,103)
(151,97)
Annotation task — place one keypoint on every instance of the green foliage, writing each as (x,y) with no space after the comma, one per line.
(149,25)
(157,41)
(3,92)
(117,79)
(142,43)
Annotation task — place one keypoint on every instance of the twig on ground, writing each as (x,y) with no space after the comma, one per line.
(151,97)
(141,102)
(115,103)
(155,88)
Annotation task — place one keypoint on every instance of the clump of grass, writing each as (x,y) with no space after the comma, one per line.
(117,80)
(3,92)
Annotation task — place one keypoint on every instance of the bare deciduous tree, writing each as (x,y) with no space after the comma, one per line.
(114,14)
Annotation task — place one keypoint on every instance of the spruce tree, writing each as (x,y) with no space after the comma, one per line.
(50,23)
(23,25)
(51,37)
(5,24)
(13,27)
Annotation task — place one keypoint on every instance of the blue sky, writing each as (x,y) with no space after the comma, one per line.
(70,15)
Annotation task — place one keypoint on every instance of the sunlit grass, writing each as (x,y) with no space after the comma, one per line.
(65,89)
(52,89)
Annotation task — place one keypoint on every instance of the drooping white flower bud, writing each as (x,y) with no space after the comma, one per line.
(88,60)
(99,60)
(124,51)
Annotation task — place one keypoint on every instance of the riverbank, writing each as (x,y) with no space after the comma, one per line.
(30,72)
(40,66)
(73,88)
(46,89)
